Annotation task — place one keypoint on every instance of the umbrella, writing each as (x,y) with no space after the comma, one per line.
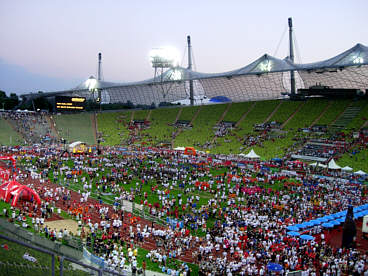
(329,217)
(309,224)
(336,215)
(341,220)
(307,237)
(315,222)
(274,267)
(334,222)
(293,233)
(292,228)
(323,219)
(328,225)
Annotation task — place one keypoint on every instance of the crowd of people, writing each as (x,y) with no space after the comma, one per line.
(229,223)
(33,126)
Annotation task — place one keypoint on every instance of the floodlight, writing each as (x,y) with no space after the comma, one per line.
(357,59)
(176,74)
(91,83)
(164,57)
(265,66)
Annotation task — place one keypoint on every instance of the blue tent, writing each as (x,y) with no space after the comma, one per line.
(220,99)
(274,267)
(328,225)
(307,237)
(292,228)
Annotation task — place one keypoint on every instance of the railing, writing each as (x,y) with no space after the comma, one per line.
(100,271)
(141,211)
(72,248)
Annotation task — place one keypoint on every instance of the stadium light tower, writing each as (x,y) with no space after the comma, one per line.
(161,60)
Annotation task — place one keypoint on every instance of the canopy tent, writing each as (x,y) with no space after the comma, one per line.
(347,169)
(190,151)
(179,148)
(220,99)
(78,147)
(252,155)
(360,172)
(333,166)
(315,164)
(13,191)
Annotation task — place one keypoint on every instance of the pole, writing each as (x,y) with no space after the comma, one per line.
(191,93)
(53,264)
(99,66)
(61,265)
(291,56)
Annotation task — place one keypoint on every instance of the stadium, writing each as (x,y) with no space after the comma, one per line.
(264,173)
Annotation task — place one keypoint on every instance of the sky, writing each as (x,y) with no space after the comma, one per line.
(53,45)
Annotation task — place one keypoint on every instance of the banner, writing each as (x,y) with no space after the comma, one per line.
(93,259)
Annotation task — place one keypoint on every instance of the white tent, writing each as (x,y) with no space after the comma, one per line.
(179,148)
(333,166)
(315,164)
(347,169)
(252,155)
(242,155)
(360,172)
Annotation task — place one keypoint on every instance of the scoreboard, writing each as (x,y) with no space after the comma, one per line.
(65,103)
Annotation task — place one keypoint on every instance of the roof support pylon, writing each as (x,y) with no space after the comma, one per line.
(291,56)
(191,92)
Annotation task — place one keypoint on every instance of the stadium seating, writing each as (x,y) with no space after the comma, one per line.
(202,133)
(75,127)
(8,136)
(113,127)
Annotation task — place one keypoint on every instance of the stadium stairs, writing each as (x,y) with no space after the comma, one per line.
(195,115)
(179,130)
(221,119)
(273,112)
(51,123)
(149,115)
(178,115)
(224,114)
(245,114)
(322,113)
(292,115)
(345,118)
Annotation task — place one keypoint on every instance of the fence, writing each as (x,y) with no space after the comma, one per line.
(142,211)
(15,234)
(72,247)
